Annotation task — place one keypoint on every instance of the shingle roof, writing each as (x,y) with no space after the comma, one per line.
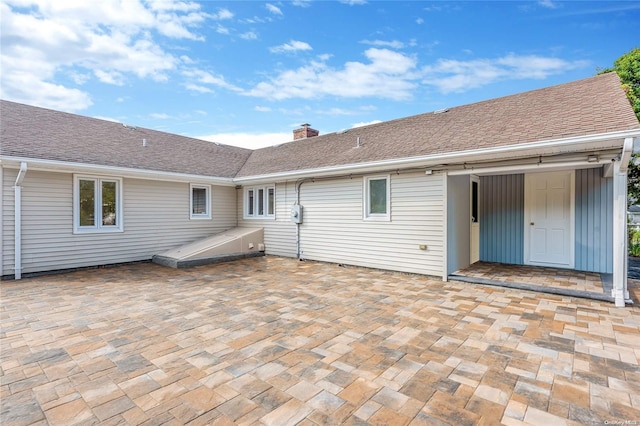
(591,106)
(594,105)
(33,132)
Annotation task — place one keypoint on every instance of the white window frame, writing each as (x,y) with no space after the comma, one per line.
(98,227)
(207,213)
(366,208)
(251,211)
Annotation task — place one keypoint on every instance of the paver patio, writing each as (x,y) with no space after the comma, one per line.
(565,282)
(275,341)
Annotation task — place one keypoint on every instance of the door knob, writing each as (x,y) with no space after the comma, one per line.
(532,223)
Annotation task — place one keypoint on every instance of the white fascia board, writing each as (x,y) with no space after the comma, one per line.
(549,147)
(126,172)
(537,167)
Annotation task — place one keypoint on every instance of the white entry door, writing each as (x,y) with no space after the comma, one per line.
(549,219)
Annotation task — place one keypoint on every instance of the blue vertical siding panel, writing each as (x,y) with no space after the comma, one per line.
(501,219)
(594,221)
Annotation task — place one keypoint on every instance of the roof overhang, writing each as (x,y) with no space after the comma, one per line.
(126,172)
(580,144)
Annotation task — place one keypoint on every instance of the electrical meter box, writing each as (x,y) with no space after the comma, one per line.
(296,213)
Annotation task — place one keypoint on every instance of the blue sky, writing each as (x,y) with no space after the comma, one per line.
(248,72)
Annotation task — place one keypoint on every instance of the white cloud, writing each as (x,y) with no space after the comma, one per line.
(262,109)
(273,9)
(394,44)
(110,77)
(549,4)
(365,123)
(388,75)
(223,14)
(419,21)
(249,35)
(112,40)
(160,116)
(353,2)
(458,76)
(301,3)
(343,111)
(197,88)
(221,29)
(249,140)
(292,46)
(207,78)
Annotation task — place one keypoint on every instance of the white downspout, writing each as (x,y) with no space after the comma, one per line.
(620,291)
(17,252)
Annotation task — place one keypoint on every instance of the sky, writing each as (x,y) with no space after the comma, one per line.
(247,73)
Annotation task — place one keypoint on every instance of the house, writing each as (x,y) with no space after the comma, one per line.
(537,178)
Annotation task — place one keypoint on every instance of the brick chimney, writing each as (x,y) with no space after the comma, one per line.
(305,131)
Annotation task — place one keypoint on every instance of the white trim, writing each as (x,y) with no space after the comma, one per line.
(445,227)
(532,168)
(1,220)
(366,208)
(553,146)
(619,290)
(207,213)
(126,172)
(98,228)
(527,220)
(17,221)
(256,202)
(625,157)
(583,143)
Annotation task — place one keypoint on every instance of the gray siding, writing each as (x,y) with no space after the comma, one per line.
(333,229)
(502,219)
(458,223)
(279,233)
(156,218)
(594,221)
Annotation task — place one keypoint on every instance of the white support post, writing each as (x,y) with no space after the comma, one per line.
(17,217)
(619,291)
(445,234)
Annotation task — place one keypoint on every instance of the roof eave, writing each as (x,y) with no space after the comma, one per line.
(127,172)
(531,149)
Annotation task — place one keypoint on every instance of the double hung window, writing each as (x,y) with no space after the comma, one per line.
(200,202)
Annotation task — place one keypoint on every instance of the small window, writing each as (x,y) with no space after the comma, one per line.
(200,202)
(97,204)
(260,202)
(377,205)
(250,202)
(271,198)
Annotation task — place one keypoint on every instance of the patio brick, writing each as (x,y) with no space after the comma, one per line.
(276,341)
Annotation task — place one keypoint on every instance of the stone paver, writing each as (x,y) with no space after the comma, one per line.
(590,282)
(276,341)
